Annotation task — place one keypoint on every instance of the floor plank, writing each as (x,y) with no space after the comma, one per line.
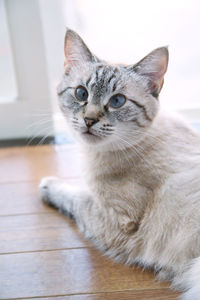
(23,197)
(160,294)
(148,294)
(31,231)
(38,232)
(32,163)
(67,272)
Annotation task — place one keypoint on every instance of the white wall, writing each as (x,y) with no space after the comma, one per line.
(125,31)
(8,85)
(55,17)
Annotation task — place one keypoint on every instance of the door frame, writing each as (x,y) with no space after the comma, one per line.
(33,101)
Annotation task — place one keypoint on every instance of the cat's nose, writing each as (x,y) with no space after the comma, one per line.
(90,121)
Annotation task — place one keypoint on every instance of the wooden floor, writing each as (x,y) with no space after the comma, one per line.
(42,255)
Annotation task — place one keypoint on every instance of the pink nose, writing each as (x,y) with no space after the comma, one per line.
(90,121)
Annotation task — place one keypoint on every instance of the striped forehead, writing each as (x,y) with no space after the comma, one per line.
(103,80)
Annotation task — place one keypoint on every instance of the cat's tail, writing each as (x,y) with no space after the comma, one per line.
(189,281)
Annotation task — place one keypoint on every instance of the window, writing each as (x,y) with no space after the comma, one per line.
(115,30)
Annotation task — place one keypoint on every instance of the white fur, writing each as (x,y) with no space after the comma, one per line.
(143,200)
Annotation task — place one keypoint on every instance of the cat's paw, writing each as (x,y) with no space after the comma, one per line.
(47,188)
(55,192)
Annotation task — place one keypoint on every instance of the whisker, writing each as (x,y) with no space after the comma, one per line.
(37,135)
(43,139)
(38,123)
(133,147)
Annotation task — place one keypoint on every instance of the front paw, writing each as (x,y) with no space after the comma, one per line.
(47,188)
(56,193)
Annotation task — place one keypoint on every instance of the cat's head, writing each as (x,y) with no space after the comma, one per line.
(109,104)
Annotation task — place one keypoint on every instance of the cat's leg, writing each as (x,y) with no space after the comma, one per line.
(55,192)
(102,225)
(76,203)
(66,198)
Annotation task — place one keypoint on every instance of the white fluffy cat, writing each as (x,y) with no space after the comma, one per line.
(142,166)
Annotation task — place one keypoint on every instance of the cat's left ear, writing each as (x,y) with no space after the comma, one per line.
(153,67)
(75,50)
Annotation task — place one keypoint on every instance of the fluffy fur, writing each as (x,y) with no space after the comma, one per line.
(142,167)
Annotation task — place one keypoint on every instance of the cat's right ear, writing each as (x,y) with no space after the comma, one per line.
(75,50)
(153,67)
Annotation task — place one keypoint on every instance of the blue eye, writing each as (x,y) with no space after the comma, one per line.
(117,101)
(81,93)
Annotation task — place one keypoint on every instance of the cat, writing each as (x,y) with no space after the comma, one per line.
(142,166)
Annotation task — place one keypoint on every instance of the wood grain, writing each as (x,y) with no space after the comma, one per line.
(148,294)
(42,254)
(38,232)
(64,272)
(23,197)
(32,163)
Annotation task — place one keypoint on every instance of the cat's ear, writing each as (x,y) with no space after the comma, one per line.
(75,50)
(153,67)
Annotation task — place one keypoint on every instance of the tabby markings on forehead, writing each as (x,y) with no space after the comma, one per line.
(97,75)
(94,77)
(114,87)
(111,77)
(98,68)
(101,79)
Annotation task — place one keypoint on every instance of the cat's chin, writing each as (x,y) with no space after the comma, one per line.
(90,138)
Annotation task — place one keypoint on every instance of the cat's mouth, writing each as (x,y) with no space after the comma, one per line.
(88,133)
(91,136)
